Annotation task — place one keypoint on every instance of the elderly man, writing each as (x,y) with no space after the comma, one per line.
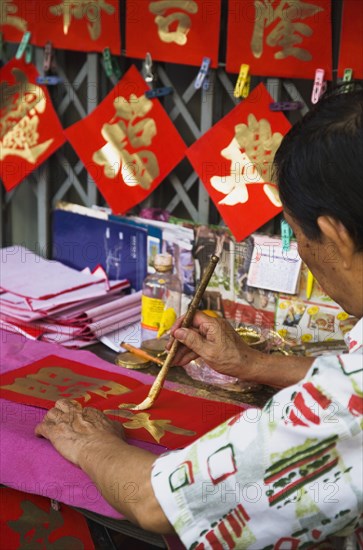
(290,475)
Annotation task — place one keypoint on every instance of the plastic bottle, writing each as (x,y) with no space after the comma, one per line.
(161,299)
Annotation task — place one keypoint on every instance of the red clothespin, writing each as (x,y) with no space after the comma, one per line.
(202,76)
(319,87)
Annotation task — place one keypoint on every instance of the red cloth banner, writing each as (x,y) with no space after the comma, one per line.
(29,521)
(234,161)
(174,421)
(351,36)
(131,144)
(83,25)
(30,129)
(282,38)
(175,31)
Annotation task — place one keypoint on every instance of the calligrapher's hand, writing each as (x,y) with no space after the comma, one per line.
(217,343)
(72,428)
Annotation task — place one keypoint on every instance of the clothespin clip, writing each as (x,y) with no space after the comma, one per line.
(147,70)
(48,57)
(1,49)
(23,45)
(242,88)
(286,234)
(286,105)
(202,76)
(48,67)
(49,80)
(347,77)
(159,92)
(319,87)
(111,66)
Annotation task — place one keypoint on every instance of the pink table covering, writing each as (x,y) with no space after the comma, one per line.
(31,464)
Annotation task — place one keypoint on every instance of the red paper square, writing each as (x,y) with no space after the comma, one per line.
(234,161)
(131,143)
(175,420)
(285,38)
(30,129)
(351,36)
(84,26)
(175,31)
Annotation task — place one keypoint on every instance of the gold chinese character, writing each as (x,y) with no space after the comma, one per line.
(138,168)
(7,8)
(22,103)
(166,23)
(288,32)
(37,529)
(53,383)
(91,10)
(251,153)
(156,428)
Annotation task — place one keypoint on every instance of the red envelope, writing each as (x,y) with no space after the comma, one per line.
(30,129)
(84,25)
(131,143)
(285,38)
(175,420)
(173,31)
(351,49)
(234,161)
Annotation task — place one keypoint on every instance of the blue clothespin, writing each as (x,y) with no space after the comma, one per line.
(286,234)
(286,105)
(23,44)
(51,80)
(159,92)
(319,87)
(202,75)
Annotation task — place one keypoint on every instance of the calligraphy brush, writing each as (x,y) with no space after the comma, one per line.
(187,321)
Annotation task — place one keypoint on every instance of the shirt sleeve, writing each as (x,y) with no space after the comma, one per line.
(286,476)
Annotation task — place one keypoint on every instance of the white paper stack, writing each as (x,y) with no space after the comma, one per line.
(49,301)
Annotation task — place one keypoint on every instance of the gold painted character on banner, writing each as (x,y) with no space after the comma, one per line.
(53,383)
(175,26)
(80,9)
(22,103)
(288,32)
(131,128)
(157,428)
(251,154)
(7,17)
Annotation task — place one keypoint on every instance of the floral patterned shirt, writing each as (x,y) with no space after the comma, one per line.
(281,478)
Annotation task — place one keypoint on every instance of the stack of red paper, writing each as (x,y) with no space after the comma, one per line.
(49,301)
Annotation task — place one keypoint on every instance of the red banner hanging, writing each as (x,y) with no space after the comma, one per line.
(30,521)
(351,36)
(282,38)
(175,31)
(131,144)
(83,25)
(174,421)
(30,129)
(234,161)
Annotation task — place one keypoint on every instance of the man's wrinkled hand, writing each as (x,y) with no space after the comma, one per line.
(72,428)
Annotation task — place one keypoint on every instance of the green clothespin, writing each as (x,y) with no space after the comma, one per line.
(347,77)
(107,62)
(23,45)
(28,53)
(111,66)
(286,234)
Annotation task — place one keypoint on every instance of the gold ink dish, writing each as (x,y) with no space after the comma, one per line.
(252,338)
(131,361)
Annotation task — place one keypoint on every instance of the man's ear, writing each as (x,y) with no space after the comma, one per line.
(338,234)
